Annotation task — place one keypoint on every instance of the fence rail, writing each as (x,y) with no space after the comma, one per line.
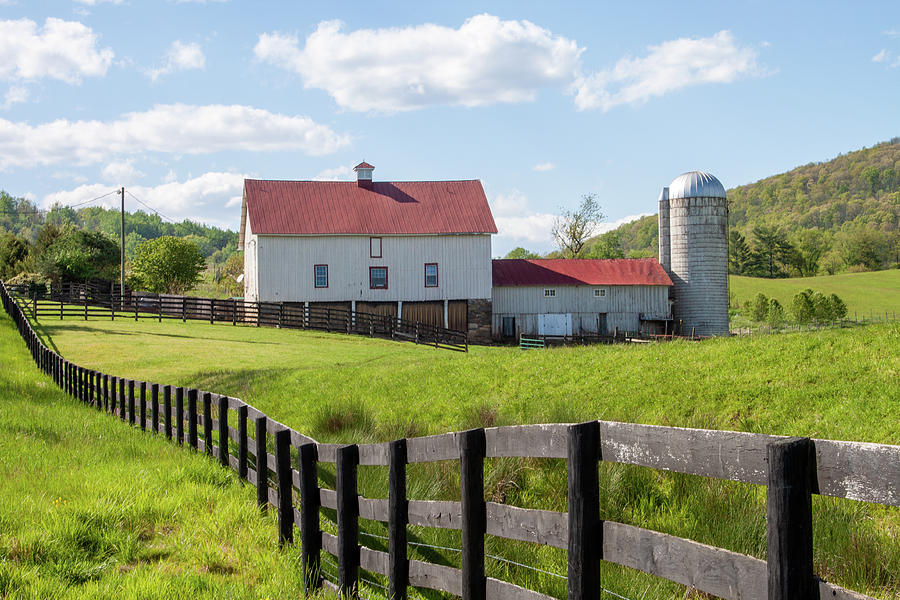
(88,302)
(792,469)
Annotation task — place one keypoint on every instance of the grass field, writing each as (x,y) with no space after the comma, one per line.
(864,293)
(91,508)
(838,384)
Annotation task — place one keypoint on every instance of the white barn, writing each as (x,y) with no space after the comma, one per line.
(566,297)
(416,250)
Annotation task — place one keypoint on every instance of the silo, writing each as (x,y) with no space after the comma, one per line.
(698,234)
(665,249)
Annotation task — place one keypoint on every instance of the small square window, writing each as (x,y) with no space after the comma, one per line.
(378,278)
(600,293)
(375,247)
(321,276)
(549,293)
(431,274)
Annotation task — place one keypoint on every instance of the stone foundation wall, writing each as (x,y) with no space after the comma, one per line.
(479,321)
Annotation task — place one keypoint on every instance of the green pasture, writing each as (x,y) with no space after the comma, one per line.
(866,294)
(92,508)
(838,384)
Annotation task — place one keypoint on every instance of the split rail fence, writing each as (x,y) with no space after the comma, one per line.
(87,302)
(792,469)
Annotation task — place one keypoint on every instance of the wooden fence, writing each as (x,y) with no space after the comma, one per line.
(86,302)
(792,469)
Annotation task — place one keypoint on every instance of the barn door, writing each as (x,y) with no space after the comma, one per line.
(601,323)
(555,324)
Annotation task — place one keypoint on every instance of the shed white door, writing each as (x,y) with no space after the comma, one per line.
(555,324)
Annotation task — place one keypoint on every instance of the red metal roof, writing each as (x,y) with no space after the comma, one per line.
(363,165)
(562,271)
(344,207)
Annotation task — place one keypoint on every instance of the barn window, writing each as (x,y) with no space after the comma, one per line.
(599,292)
(321,276)
(375,247)
(549,293)
(378,278)
(431,274)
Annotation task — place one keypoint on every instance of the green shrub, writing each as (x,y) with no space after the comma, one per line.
(775,316)
(759,308)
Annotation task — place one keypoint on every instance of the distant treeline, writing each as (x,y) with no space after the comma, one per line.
(25,219)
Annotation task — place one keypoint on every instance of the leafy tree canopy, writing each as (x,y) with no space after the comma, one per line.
(77,255)
(166,265)
(521,252)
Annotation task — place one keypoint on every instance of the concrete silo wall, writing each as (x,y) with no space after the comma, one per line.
(699,263)
(665,250)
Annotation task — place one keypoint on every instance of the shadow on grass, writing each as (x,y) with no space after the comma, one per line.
(51,329)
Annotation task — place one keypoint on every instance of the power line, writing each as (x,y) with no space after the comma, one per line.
(169,219)
(56,207)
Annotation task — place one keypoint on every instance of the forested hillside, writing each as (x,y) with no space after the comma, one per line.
(826,217)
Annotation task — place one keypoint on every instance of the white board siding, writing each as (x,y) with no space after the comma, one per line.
(285,267)
(623,305)
(251,281)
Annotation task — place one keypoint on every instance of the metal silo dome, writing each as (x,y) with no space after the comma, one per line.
(696,184)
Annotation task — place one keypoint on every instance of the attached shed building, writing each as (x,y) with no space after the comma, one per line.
(566,297)
(417,250)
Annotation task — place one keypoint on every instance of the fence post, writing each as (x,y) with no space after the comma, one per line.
(212,311)
(154,408)
(207,423)
(90,386)
(143,405)
(789,519)
(585,527)
(348,520)
(472,449)
(242,442)
(285,488)
(262,469)
(106,392)
(280,315)
(131,414)
(233,311)
(398,517)
(183,309)
(167,411)
(121,398)
(179,414)
(192,418)
(223,431)
(159,307)
(310,536)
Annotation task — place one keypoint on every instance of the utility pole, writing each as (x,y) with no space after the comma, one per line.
(122,257)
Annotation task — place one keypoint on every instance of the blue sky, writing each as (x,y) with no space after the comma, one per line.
(543,102)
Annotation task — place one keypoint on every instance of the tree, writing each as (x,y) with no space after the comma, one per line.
(521,252)
(772,250)
(167,265)
(606,245)
(740,257)
(227,276)
(759,308)
(572,229)
(838,308)
(775,314)
(13,252)
(810,246)
(76,255)
(802,306)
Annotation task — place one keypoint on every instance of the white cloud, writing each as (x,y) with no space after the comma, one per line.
(892,33)
(885,56)
(203,199)
(172,128)
(336,174)
(881,56)
(517,223)
(63,50)
(485,61)
(542,167)
(96,2)
(14,95)
(180,57)
(121,172)
(668,67)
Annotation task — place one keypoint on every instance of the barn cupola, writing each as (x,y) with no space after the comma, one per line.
(364,175)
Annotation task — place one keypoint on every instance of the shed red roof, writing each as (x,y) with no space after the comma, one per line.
(561,271)
(363,165)
(344,207)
